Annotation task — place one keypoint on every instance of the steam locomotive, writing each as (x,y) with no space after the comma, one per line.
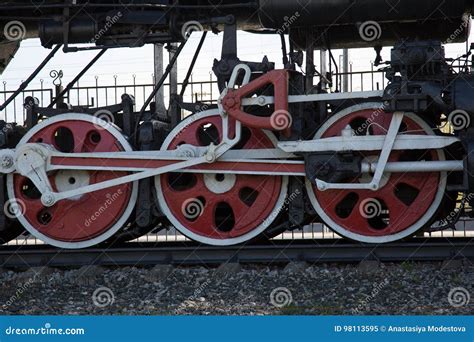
(275,153)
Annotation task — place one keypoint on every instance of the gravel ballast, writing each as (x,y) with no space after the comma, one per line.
(297,288)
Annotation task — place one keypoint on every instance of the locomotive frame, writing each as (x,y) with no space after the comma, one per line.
(221,176)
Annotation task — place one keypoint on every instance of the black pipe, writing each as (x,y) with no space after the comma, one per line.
(30,78)
(193,63)
(319,13)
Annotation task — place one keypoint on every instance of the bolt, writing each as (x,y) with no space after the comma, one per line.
(48,199)
(7,161)
(210,158)
(229,102)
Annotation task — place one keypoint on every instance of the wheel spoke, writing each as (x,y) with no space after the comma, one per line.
(236,207)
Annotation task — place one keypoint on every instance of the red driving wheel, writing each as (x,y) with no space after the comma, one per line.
(86,219)
(219,208)
(404,203)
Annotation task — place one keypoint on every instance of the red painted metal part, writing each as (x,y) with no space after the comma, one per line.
(400,215)
(82,219)
(247,216)
(232,102)
(242,166)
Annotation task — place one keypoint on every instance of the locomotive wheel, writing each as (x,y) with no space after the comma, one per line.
(219,209)
(405,202)
(87,219)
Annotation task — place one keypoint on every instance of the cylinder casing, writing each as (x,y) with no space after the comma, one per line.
(274,13)
(339,22)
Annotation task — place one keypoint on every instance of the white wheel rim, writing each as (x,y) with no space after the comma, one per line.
(206,240)
(387,238)
(133,196)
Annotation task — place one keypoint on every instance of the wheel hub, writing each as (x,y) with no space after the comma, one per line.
(66,180)
(219,183)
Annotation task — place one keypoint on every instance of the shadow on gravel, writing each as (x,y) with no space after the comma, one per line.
(297,289)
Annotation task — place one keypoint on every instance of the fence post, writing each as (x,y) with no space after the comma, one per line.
(58,86)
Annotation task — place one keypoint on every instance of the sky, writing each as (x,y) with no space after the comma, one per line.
(125,62)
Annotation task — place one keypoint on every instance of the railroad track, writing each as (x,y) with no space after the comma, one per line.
(273,252)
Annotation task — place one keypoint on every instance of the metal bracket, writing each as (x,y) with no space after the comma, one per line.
(367,143)
(231,102)
(268,100)
(31,161)
(374,185)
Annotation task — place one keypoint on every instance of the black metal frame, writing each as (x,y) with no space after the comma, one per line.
(273,252)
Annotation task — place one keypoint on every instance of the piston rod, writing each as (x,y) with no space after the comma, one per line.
(420,166)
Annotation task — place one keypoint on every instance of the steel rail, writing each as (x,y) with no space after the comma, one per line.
(271,252)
